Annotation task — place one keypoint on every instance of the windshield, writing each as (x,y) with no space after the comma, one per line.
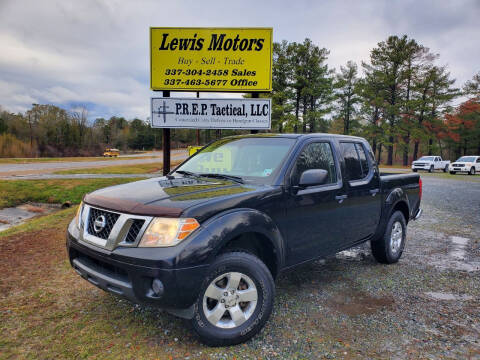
(467,159)
(248,158)
(426,158)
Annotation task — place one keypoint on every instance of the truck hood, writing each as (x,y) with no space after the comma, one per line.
(164,196)
(422,161)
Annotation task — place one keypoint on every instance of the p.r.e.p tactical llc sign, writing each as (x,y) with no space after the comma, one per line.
(211,59)
(217,113)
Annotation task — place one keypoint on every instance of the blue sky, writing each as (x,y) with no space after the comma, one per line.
(95,53)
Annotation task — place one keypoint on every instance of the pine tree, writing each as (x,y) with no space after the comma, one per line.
(347,88)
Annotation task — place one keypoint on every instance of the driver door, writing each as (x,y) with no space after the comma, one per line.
(313,221)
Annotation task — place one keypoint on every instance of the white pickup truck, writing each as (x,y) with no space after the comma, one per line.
(430,163)
(468,164)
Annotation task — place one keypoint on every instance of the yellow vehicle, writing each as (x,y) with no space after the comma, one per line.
(111,152)
(193,149)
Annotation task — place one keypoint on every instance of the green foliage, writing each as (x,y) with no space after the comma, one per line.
(302,87)
(347,93)
(399,102)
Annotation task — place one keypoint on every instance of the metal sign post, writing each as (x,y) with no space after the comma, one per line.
(166,141)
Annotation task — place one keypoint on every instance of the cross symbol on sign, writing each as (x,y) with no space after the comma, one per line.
(162,110)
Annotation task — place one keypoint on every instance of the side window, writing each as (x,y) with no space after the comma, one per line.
(478,160)
(363,159)
(356,163)
(315,156)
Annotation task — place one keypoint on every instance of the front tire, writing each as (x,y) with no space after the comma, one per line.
(431,169)
(453,172)
(472,171)
(414,170)
(221,318)
(389,248)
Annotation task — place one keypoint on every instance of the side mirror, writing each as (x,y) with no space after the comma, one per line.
(313,177)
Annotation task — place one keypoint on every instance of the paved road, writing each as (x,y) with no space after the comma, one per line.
(8,170)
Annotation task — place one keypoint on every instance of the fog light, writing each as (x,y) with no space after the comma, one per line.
(157,287)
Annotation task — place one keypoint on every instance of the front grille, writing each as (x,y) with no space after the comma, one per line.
(110,220)
(458,165)
(418,164)
(134,230)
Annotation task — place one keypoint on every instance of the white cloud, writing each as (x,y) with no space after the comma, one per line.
(71,52)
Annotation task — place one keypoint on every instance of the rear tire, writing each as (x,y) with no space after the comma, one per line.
(389,248)
(445,169)
(414,170)
(472,171)
(222,320)
(431,169)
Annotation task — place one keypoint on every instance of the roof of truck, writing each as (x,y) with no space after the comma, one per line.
(297,136)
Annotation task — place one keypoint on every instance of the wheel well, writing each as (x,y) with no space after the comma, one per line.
(403,207)
(258,245)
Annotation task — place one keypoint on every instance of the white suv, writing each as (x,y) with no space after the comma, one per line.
(467,164)
(430,163)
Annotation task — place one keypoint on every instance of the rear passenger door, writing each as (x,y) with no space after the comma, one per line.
(362,186)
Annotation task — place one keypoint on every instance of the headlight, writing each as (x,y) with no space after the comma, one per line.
(78,215)
(164,232)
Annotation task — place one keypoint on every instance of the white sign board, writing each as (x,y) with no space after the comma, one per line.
(195,113)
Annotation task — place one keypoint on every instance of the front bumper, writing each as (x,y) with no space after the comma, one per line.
(131,272)
(420,167)
(459,169)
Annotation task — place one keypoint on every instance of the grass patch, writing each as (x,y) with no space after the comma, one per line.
(394,166)
(121,169)
(17,192)
(461,177)
(66,159)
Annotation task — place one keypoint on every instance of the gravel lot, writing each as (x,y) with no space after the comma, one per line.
(426,306)
(348,306)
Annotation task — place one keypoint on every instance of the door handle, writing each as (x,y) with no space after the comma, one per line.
(374,191)
(340,198)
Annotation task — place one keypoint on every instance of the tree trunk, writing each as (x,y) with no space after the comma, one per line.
(374,145)
(390,151)
(406,148)
(441,149)
(346,129)
(297,111)
(430,143)
(312,109)
(304,115)
(458,151)
(415,150)
(379,153)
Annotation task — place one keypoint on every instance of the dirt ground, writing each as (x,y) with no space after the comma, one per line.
(349,306)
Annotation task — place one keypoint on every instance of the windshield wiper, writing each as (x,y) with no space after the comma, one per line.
(224,176)
(188,173)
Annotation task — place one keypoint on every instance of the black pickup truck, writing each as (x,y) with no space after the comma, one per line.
(207,241)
